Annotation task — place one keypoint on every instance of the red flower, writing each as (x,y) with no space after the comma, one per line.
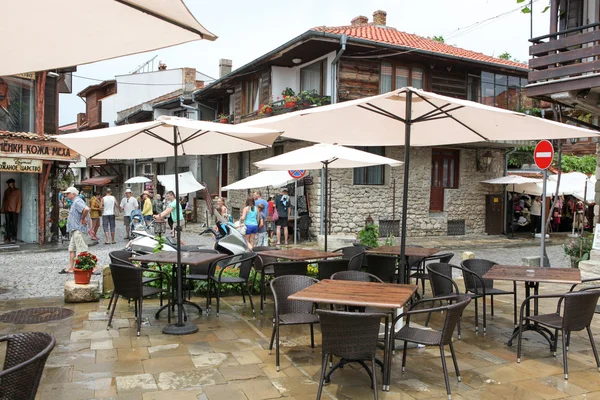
(77,261)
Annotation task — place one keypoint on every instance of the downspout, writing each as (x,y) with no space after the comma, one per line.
(334,72)
(506,155)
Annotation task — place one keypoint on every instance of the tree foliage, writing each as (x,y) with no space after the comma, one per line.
(439,38)
(585,164)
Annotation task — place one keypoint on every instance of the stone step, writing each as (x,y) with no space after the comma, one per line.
(589,269)
(75,293)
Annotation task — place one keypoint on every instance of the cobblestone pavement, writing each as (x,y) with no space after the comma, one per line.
(34,273)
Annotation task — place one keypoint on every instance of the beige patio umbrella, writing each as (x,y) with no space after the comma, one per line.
(169,136)
(64,33)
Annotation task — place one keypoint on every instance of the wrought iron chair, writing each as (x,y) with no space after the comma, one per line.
(382,266)
(244,262)
(350,336)
(577,314)
(421,271)
(128,283)
(26,355)
(330,267)
(291,312)
(475,284)
(452,313)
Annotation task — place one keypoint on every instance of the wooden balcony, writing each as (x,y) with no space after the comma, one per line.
(564,61)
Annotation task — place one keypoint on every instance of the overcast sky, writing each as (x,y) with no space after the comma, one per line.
(248,29)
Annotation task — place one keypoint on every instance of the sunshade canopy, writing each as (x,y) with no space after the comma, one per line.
(262,179)
(98,180)
(436,120)
(511,180)
(137,179)
(156,139)
(65,33)
(314,157)
(187,182)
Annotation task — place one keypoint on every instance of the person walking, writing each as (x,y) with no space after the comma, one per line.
(11,207)
(536,215)
(282,205)
(173,207)
(95,213)
(108,204)
(262,236)
(77,226)
(251,220)
(258,200)
(147,207)
(128,204)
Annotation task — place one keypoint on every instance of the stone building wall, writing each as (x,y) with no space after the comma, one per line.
(352,204)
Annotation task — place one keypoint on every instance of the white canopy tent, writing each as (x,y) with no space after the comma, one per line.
(137,179)
(511,180)
(66,33)
(187,182)
(169,136)
(261,179)
(573,183)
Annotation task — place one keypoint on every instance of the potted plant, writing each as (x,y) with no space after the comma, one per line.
(84,267)
(369,235)
(289,97)
(266,108)
(223,118)
(578,250)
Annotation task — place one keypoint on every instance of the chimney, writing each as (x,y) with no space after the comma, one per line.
(379,17)
(224,67)
(189,79)
(360,20)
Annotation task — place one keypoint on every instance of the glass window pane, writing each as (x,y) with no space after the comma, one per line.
(451,173)
(474,89)
(514,81)
(417,78)
(436,172)
(324,77)
(501,93)
(445,174)
(487,77)
(501,80)
(523,82)
(487,94)
(310,78)
(17,104)
(401,77)
(386,77)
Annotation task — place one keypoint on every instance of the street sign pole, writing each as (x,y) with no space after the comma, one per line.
(296,174)
(543,156)
(543,230)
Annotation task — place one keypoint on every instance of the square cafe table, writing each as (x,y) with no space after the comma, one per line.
(360,294)
(298,254)
(170,257)
(532,277)
(409,252)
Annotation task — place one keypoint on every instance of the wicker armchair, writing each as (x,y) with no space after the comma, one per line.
(421,271)
(577,314)
(350,251)
(291,312)
(356,262)
(382,266)
(197,272)
(283,268)
(244,262)
(26,355)
(475,284)
(596,279)
(350,336)
(128,283)
(452,313)
(442,284)
(263,264)
(330,267)
(357,276)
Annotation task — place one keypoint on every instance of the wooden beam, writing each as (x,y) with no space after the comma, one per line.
(40,93)
(584,82)
(42,182)
(569,55)
(561,44)
(564,72)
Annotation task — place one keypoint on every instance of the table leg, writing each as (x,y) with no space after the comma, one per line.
(529,326)
(172,301)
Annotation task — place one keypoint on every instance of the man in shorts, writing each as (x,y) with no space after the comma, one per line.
(77,226)
(128,204)
(282,204)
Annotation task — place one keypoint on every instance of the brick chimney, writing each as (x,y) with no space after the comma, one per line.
(224,67)
(189,79)
(360,20)
(379,17)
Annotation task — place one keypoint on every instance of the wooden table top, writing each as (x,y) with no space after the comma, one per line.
(298,254)
(410,251)
(362,294)
(534,274)
(170,257)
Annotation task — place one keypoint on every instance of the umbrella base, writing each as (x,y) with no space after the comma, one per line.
(183,329)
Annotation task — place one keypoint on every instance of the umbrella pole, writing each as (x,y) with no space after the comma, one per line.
(180,328)
(326,220)
(407,127)
(295,209)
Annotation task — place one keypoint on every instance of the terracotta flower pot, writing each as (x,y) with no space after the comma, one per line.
(223,120)
(268,110)
(82,277)
(290,104)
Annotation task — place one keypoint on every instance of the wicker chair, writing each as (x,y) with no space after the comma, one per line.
(384,267)
(597,279)
(452,313)
(356,262)
(283,268)
(475,284)
(263,265)
(244,263)
(350,251)
(26,355)
(291,312)
(197,272)
(350,336)
(577,314)
(357,276)
(330,267)
(421,271)
(129,284)
(442,284)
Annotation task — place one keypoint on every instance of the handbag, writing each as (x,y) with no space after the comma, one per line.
(275,214)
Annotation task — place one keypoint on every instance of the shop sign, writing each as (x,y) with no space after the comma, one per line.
(21,165)
(27,75)
(39,150)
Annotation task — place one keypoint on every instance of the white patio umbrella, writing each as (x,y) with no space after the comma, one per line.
(137,179)
(169,136)
(426,119)
(73,32)
(186,180)
(261,179)
(327,156)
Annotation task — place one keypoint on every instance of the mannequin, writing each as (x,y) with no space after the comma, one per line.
(11,207)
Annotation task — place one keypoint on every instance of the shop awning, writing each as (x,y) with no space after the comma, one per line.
(99,180)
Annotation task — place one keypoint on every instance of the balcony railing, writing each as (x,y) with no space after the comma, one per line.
(564,60)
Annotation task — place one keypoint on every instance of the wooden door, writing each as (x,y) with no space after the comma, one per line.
(494,214)
(444,175)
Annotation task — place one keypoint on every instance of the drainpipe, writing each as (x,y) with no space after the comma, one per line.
(506,204)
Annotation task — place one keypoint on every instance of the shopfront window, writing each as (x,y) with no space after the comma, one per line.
(17,102)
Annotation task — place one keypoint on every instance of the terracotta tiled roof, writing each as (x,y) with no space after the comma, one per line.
(25,135)
(385,34)
(68,127)
(533,175)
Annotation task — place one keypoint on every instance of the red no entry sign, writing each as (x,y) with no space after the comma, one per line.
(297,173)
(543,154)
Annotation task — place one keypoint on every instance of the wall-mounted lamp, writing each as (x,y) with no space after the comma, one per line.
(484,161)
(296,60)
(573,140)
